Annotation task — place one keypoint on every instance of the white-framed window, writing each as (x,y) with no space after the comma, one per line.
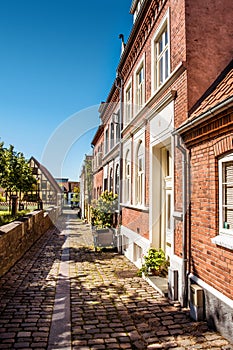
(127,192)
(161,54)
(111,180)
(117,179)
(128,104)
(226,194)
(106,141)
(139,97)
(112,135)
(139,174)
(117,123)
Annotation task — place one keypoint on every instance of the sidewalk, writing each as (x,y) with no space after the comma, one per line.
(64,295)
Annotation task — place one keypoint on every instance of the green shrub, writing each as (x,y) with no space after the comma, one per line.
(156,263)
(6,217)
(102,210)
(2,199)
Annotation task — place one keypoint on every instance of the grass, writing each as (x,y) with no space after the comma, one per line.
(6,217)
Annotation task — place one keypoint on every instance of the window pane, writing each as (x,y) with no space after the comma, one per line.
(160,44)
(165,37)
(227,190)
(166,64)
(161,71)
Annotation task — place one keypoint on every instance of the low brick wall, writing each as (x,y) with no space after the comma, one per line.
(18,236)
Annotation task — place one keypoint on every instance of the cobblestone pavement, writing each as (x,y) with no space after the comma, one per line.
(99,302)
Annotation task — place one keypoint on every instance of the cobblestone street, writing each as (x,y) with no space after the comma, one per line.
(64,295)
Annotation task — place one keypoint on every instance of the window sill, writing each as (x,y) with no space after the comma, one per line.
(134,207)
(223,240)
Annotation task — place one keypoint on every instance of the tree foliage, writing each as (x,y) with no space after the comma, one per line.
(15,172)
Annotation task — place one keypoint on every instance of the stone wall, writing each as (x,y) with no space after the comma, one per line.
(18,236)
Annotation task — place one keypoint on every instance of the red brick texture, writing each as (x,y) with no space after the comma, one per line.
(209,34)
(213,264)
(136,221)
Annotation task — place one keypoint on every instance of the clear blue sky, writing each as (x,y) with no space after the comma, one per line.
(58,57)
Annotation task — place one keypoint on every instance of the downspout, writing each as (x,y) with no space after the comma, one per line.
(119,85)
(184,215)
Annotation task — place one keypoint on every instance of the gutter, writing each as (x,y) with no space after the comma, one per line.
(119,84)
(205,116)
(184,215)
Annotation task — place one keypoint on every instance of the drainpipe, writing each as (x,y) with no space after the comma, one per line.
(184,214)
(119,85)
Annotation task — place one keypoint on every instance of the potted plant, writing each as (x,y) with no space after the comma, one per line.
(155,263)
(102,211)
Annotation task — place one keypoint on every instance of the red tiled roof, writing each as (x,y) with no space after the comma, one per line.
(222,90)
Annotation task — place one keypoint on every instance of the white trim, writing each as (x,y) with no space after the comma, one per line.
(223,232)
(127,148)
(126,88)
(141,63)
(223,240)
(164,22)
(212,290)
(134,238)
(139,141)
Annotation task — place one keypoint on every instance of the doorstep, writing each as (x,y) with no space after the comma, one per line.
(158,283)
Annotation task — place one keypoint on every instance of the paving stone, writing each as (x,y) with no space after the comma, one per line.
(111,307)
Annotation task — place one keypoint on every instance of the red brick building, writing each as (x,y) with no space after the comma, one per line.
(97,162)
(208,137)
(171,59)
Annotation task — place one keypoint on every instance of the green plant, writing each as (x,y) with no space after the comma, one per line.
(6,217)
(155,263)
(2,199)
(102,210)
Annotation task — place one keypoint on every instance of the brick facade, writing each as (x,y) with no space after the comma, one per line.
(197,54)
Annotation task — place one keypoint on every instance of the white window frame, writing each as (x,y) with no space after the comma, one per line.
(222,161)
(111,179)
(139,177)
(128,110)
(165,23)
(112,135)
(117,179)
(139,88)
(127,177)
(106,140)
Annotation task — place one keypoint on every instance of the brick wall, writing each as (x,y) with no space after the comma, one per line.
(209,34)
(212,263)
(17,237)
(136,220)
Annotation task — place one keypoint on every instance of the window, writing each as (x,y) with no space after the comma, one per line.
(106,141)
(117,122)
(140,88)
(117,179)
(111,180)
(162,64)
(139,186)
(112,135)
(161,55)
(128,105)
(127,177)
(226,194)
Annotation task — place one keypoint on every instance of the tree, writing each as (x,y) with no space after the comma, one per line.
(15,172)
(88,179)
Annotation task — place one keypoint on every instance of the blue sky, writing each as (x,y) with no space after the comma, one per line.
(58,57)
